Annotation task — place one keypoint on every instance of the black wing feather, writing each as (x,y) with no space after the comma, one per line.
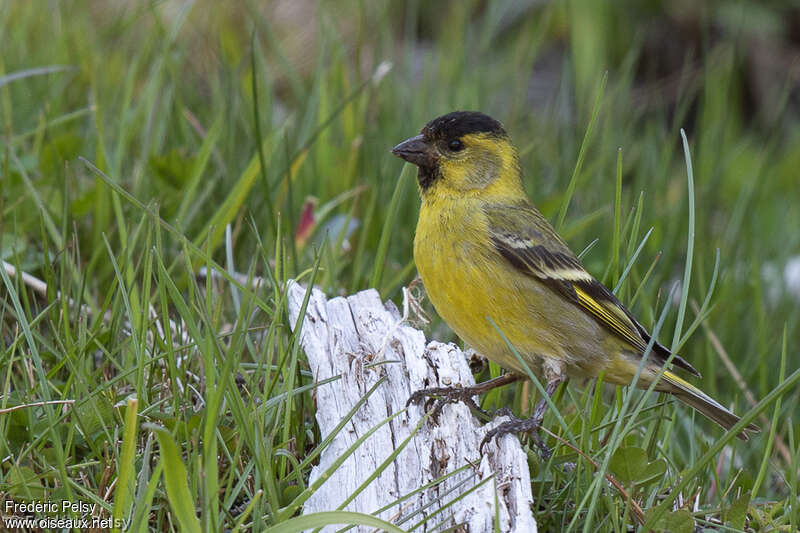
(557,267)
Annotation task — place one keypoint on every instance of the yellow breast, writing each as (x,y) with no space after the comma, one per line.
(468,282)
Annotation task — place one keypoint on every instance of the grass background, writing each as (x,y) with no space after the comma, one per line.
(134,134)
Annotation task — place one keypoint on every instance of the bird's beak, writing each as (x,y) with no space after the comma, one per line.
(416,151)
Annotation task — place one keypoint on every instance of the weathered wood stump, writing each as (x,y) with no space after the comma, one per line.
(364,341)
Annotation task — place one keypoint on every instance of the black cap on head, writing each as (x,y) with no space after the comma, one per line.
(458,123)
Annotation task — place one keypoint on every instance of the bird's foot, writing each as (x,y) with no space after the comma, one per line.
(445,395)
(519,425)
(527,425)
(466,395)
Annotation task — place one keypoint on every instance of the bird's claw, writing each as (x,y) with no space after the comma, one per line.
(446,395)
(518,425)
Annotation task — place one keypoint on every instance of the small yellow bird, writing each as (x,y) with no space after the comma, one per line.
(484,252)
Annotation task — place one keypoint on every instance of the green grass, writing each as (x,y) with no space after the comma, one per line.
(143,142)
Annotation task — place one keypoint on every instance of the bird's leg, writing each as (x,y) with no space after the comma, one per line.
(530,425)
(447,395)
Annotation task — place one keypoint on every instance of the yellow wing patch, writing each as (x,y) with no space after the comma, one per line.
(619,325)
(525,238)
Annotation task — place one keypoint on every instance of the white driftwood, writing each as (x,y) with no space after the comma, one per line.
(346,336)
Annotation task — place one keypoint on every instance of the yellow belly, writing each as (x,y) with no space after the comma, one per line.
(469,283)
(468,286)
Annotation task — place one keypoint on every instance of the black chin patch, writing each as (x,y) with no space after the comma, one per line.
(458,123)
(426,176)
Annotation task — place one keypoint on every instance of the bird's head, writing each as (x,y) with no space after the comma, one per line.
(464,152)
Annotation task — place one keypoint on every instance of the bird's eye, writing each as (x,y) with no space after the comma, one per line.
(455,145)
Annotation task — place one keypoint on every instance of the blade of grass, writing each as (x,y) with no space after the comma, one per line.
(175,476)
(36,71)
(620,430)
(386,462)
(327,518)
(645,278)
(386,232)
(196,250)
(249,509)
(123,494)
(189,191)
(237,195)
(687,271)
(708,457)
(767,452)
(413,493)
(573,182)
(301,498)
(631,262)
(615,239)
(260,138)
(535,381)
(342,423)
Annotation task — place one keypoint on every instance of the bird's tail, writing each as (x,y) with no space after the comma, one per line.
(691,395)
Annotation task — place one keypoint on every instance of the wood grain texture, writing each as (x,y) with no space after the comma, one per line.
(363,340)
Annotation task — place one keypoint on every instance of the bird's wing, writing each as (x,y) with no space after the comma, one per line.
(527,240)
